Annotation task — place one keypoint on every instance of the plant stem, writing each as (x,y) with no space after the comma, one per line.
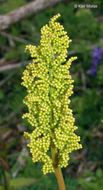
(58,171)
(5,180)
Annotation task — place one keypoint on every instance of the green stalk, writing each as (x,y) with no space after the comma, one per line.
(58,171)
(5,179)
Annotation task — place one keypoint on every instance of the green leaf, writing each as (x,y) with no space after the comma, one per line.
(99,172)
(22,182)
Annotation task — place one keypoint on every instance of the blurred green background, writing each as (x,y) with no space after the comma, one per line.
(85,27)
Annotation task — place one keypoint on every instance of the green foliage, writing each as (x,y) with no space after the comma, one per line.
(47,182)
(10,5)
(88,33)
(100,75)
(20,182)
(87,112)
(92,181)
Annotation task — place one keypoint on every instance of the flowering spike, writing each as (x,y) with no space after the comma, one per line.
(49,86)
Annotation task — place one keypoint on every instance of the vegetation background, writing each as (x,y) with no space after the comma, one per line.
(85,28)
